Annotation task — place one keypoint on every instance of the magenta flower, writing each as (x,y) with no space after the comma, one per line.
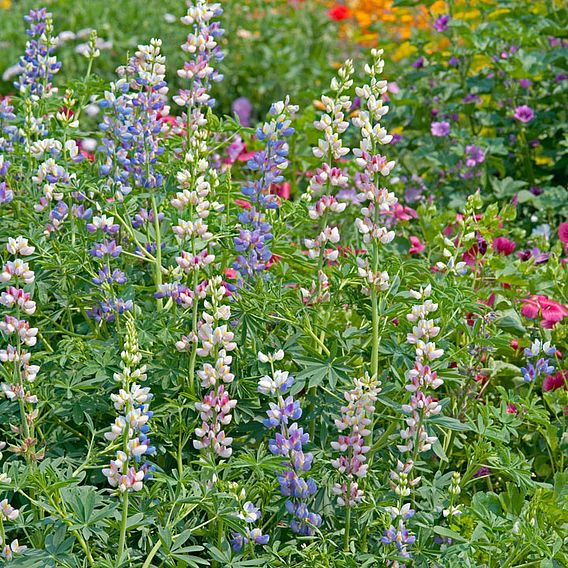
(416,246)
(440,129)
(524,113)
(502,245)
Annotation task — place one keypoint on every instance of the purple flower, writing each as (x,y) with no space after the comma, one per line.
(525,83)
(474,156)
(419,63)
(524,113)
(242,107)
(441,24)
(440,129)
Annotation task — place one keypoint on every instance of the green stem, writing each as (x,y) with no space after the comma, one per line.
(158,249)
(123,525)
(152,553)
(347,521)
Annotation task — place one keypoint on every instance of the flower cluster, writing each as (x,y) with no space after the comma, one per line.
(213,340)
(131,125)
(20,335)
(129,430)
(327,178)
(203,49)
(288,442)
(38,65)
(8,132)
(541,365)
(415,437)
(249,514)
(356,418)
(379,200)
(252,244)
(107,279)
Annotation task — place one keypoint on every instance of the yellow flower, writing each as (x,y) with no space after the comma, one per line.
(5,4)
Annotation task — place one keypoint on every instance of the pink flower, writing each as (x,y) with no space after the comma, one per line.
(524,113)
(417,247)
(502,245)
(551,312)
(440,129)
(563,234)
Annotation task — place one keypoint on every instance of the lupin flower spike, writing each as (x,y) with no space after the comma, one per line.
(127,472)
(253,241)
(288,442)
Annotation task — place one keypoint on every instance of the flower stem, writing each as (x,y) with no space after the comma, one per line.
(123,524)
(158,249)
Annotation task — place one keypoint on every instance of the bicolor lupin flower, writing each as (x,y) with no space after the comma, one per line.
(129,470)
(328,178)
(253,241)
(38,65)
(415,437)
(288,442)
(204,52)
(376,201)
(249,513)
(354,424)
(537,365)
(20,335)
(213,340)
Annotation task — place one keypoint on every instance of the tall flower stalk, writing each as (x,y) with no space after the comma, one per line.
(129,432)
(355,426)
(376,199)
(288,442)
(18,371)
(415,438)
(253,241)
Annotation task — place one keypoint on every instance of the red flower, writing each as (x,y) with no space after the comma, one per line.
(417,247)
(282,190)
(244,204)
(339,13)
(553,382)
(502,245)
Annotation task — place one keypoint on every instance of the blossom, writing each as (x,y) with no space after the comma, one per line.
(356,418)
(503,245)
(339,12)
(563,234)
(551,312)
(440,129)
(441,23)
(416,246)
(131,427)
(269,164)
(556,381)
(288,443)
(524,113)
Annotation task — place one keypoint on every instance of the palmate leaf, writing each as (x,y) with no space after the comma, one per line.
(318,371)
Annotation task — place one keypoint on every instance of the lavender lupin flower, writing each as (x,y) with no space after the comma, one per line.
(288,442)
(250,514)
(38,65)
(537,366)
(269,163)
